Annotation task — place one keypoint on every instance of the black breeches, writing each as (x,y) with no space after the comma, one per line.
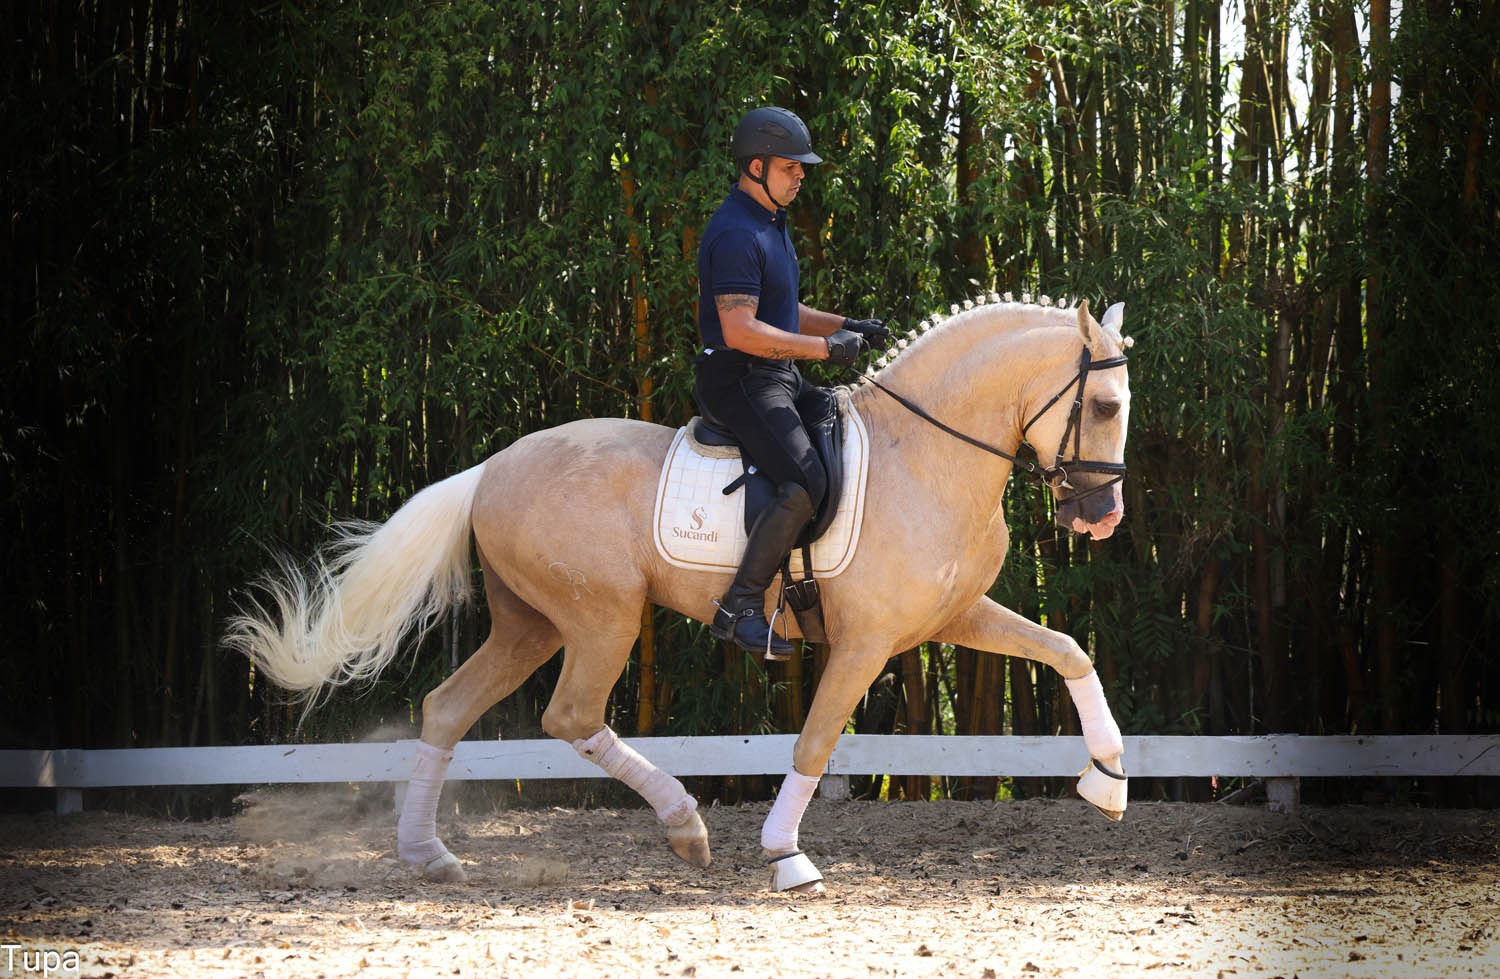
(757,401)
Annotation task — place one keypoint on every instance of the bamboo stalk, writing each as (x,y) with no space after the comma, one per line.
(645,717)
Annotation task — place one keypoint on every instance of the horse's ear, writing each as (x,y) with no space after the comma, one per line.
(1114,318)
(1101,337)
(1089,329)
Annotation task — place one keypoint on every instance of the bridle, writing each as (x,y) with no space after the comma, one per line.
(1055,476)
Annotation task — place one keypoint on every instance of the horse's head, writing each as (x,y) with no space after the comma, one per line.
(1087,425)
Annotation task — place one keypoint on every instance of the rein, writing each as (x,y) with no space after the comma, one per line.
(1055,476)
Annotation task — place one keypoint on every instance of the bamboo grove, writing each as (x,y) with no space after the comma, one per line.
(274,265)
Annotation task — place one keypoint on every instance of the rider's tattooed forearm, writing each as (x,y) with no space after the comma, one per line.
(727,303)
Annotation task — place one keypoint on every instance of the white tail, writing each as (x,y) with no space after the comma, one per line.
(345,619)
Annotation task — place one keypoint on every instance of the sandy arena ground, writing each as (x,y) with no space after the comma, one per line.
(301,885)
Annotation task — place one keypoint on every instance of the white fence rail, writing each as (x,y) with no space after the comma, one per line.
(1278,759)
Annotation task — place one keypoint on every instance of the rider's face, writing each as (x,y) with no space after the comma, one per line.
(784,178)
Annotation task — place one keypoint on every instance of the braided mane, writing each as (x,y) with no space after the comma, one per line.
(937,322)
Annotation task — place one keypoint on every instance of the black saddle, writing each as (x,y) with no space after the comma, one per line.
(825,427)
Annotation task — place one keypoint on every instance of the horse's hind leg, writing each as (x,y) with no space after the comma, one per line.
(521,639)
(591,666)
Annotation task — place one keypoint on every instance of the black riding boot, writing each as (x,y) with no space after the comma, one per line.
(742,614)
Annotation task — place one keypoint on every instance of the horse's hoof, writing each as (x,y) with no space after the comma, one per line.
(794,872)
(444,869)
(1107,790)
(690,842)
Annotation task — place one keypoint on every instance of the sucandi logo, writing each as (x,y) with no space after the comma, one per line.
(697,518)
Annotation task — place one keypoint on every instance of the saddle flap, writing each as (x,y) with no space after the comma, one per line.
(824,420)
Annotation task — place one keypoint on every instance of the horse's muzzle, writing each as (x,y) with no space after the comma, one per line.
(1096,513)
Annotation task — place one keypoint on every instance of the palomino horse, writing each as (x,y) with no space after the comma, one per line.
(562,521)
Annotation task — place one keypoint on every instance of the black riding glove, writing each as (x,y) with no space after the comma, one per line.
(874,331)
(844,347)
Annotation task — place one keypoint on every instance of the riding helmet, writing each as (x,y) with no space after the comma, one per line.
(772,131)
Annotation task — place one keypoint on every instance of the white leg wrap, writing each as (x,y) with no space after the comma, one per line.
(779,833)
(416,831)
(665,794)
(1101,735)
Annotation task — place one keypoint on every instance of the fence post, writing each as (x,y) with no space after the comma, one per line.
(835,788)
(67,773)
(1283,794)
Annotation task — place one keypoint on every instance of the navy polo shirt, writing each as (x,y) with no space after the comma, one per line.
(746,251)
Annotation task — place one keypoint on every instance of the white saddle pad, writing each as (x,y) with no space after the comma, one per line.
(700,528)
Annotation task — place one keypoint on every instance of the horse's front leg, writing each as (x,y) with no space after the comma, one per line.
(992,627)
(843,684)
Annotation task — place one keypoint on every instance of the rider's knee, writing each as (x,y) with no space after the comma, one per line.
(815,483)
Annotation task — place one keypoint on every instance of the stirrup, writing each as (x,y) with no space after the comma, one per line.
(776,655)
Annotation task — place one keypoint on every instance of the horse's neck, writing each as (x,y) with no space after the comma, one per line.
(974,374)
(973,378)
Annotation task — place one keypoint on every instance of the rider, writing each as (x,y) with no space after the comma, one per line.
(754,328)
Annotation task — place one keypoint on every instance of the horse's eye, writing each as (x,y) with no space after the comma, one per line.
(1106,409)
